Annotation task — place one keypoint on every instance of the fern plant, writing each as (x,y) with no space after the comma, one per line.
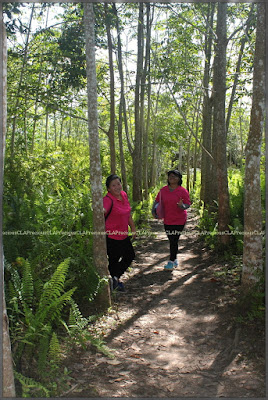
(35,320)
(29,385)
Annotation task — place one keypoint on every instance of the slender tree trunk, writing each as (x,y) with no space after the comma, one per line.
(37,92)
(46,129)
(61,129)
(155,147)
(22,74)
(206,194)
(188,162)
(112,100)
(219,124)
(6,355)
(69,130)
(55,130)
(122,106)
(238,66)
(146,75)
(121,146)
(137,153)
(99,239)
(252,251)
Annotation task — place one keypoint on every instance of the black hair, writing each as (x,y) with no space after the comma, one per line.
(177,173)
(111,178)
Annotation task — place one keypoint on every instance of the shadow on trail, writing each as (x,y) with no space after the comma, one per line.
(153,300)
(196,294)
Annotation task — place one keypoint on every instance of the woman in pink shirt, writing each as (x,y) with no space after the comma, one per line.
(173,200)
(117,212)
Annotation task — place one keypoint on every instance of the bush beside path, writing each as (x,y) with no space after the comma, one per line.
(173,333)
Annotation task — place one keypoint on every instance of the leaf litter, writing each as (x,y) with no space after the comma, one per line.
(169,339)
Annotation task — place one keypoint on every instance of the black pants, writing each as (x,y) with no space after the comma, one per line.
(120,255)
(173,233)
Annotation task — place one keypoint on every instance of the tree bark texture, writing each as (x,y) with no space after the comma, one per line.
(206,164)
(22,74)
(146,75)
(219,125)
(137,153)
(112,90)
(99,239)
(122,106)
(6,355)
(252,251)
(238,65)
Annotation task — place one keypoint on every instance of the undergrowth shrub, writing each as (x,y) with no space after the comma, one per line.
(35,311)
(48,215)
(208,221)
(251,304)
(41,314)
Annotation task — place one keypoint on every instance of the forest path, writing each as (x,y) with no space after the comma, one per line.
(173,333)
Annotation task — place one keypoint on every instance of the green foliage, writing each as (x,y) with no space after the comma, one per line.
(33,320)
(54,352)
(208,221)
(36,318)
(251,304)
(30,386)
(208,226)
(236,193)
(47,204)
(77,328)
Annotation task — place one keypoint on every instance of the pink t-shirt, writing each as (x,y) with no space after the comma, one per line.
(173,215)
(116,225)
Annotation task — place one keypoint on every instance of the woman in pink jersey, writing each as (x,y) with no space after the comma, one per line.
(173,200)
(117,212)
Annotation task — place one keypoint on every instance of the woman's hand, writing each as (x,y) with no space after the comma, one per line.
(180,203)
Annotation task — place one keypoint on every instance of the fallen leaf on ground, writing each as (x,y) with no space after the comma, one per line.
(113,362)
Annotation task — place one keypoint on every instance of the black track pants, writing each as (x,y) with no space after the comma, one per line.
(173,233)
(120,255)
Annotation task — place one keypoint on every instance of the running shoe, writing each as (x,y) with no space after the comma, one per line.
(169,266)
(120,287)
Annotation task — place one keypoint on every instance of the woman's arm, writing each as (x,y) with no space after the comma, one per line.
(185,201)
(132,226)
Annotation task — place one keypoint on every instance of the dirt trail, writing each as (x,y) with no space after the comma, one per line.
(173,333)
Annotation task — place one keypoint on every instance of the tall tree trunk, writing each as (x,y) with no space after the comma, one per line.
(219,124)
(252,251)
(55,129)
(22,74)
(121,146)
(6,356)
(99,240)
(238,65)
(206,194)
(61,130)
(46,129)
(37,91)
(188,157)
(122,105)
(112,101)
(153,176)
(137,153)
(146,75)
